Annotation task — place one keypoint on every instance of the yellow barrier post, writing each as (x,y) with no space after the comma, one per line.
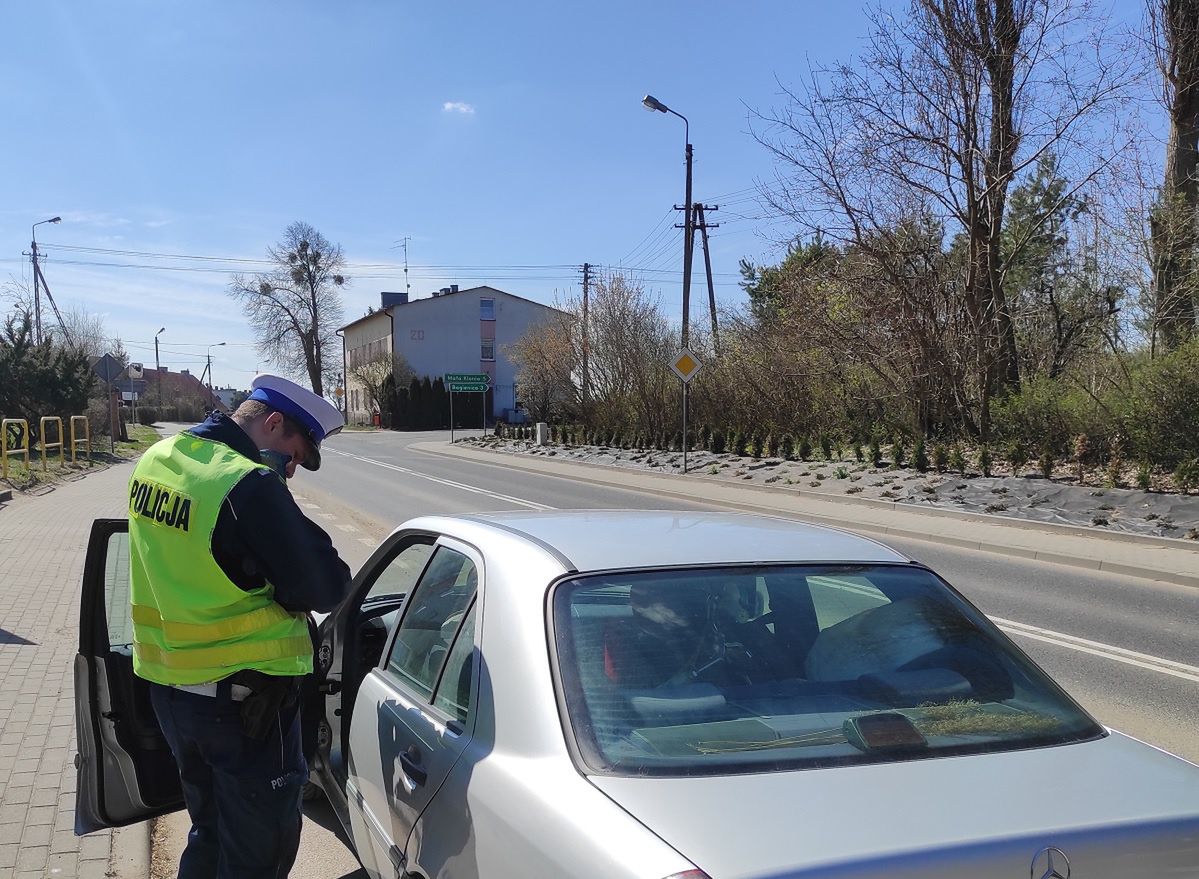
(5,450)
(47,448)
(87,435)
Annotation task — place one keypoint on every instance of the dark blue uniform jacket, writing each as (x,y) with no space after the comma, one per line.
(261,535)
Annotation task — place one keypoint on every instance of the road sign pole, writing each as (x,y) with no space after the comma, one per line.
(685,427)
(451,418)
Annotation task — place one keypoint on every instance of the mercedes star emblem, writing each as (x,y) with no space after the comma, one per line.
(1050,863)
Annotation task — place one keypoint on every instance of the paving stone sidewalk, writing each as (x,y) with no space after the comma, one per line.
(42,545)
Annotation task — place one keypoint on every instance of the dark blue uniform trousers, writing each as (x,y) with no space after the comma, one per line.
(243,795)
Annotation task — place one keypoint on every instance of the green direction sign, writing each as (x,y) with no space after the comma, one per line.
(468,387)
(473,378)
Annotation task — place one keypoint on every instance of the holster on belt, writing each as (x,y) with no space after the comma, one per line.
(269,694)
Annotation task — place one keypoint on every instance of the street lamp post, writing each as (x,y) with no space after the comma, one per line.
(37,299)
(654,105)
(158,366)
(208,370)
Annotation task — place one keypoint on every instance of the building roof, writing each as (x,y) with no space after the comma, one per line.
(483,287)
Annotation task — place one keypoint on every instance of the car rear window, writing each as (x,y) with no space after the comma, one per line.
(750,669)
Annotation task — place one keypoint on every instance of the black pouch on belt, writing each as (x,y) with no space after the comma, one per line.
(269,694)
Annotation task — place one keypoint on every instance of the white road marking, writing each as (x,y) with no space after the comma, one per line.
(348,528)
(1048,636)
(1097,648)
(532,505)
(366,541)
(309,505)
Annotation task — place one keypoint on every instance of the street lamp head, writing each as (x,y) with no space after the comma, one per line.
(160,332)
(54,220)
(653,104)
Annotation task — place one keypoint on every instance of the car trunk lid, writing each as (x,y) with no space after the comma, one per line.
(1113,808)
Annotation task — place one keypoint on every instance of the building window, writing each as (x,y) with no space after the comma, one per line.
(488,352)
(487,312)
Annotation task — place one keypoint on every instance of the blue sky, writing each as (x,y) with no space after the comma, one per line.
(491,134)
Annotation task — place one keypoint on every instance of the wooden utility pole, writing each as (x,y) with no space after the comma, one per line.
(703,226)
(586,332)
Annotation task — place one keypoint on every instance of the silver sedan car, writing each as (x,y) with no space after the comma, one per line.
(660,694)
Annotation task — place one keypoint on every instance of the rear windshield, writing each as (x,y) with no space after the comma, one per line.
(700,671)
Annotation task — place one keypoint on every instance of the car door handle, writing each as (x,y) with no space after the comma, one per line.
(417,775)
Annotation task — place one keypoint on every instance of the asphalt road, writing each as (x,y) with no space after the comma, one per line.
(1126,648)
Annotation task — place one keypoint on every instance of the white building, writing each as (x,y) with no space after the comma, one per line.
(464,331)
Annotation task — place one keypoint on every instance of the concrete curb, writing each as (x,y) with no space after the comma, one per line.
(130,858)
(597,471)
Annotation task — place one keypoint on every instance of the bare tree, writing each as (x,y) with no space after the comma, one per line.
(373,372)
(629,344)
(950,104)
(1173,27)
(296,307)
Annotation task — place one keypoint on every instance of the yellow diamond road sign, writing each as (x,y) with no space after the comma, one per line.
(686,365)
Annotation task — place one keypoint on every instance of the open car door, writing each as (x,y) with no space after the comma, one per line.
(125,770)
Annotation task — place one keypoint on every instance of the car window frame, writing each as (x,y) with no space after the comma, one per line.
(398,683)
(579,755)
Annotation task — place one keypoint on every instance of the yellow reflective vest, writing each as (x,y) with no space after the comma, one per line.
(191,623)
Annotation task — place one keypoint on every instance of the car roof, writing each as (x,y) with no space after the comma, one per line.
(595,540)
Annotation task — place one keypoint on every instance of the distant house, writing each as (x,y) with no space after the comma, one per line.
(464,331)
(179,388)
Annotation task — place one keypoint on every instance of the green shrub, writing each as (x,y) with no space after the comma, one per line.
(1160,416)
(1144,476)
(753,448)
(676,442)
(940,457)
(787,447)
(803,449)
(858,454)
(875,453)
(899,453)
(826,446)
(145,415)
(1040,412)
(1045,463)
(984,459)
(1017,455)
(1186,475)
(769,446)
(1115,464)
(737,445)
(920,456)
(956,460)
(718,441)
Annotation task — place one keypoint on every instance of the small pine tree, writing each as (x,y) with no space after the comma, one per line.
(984,459)
(825,444)
(769,446)
(858,454)
(899,452)
(920,456)
(737,444)
(754,447)
(957,461)
(940,457)
(1082,448)
(718,441)
(1017,456)
(1045,463)
(875,452)
(676,441)
(1144,476)
(804,448)
(787,447)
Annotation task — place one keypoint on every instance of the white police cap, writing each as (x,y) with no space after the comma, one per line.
(316,415)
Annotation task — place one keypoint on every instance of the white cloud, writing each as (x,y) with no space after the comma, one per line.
(457,107)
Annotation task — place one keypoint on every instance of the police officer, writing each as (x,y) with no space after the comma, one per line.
(224,569)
